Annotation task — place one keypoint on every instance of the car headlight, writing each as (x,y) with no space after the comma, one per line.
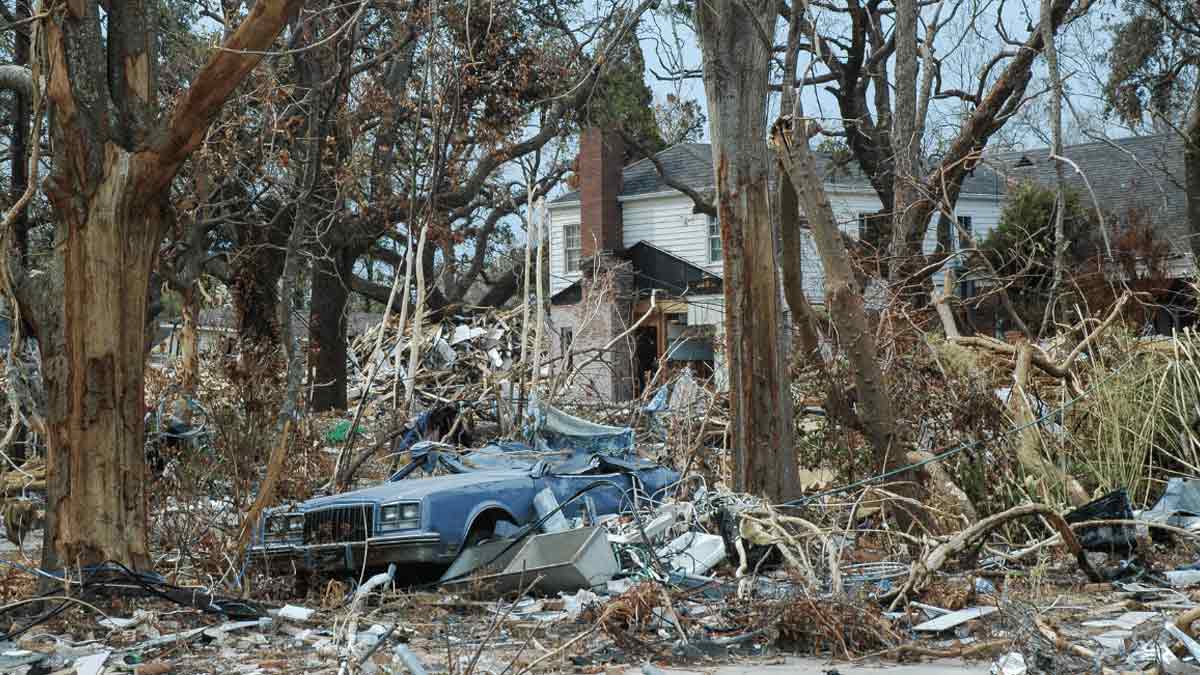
(400,515)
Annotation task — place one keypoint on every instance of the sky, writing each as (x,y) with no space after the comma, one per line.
(665,43)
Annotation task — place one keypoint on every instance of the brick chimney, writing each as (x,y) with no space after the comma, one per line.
(601,154)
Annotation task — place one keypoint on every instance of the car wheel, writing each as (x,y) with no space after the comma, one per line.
(479,534)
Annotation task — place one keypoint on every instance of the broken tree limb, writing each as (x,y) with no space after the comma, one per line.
(1185,620)
(939,482)
(924,569)
(1039,358)
(1029,451)
(267,491)
(843,295)
(940,301)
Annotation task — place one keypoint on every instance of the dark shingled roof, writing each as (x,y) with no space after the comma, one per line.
(691,164)
(1141,173)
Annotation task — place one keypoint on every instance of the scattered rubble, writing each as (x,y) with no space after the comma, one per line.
(497,533)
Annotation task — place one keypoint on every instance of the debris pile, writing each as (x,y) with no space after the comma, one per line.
(607,538)
(462,358)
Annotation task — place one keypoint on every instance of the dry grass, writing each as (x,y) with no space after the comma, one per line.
(1141,425)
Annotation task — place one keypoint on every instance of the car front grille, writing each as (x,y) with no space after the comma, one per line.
(339,525)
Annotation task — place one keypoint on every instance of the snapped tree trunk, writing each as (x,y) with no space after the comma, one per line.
(1060,181)
(327,328)
(737,56)
(906,142)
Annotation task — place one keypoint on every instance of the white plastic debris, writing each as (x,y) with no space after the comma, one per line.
(1011,663)
(444,350)
(496,359)
(693,553)
(409,660)
(463,333)
(547,507)
(296,613)
(119,623)
(1127,621)
(1114,641)
(574,605)
(656,527)
(1183,578)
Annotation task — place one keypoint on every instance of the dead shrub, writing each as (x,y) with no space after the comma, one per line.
(836,627)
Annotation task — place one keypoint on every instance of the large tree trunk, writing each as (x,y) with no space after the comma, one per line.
(94,372)
(113,164)
(19,150)
(737,57)
(906,144)
(257,268)
(327,328)
(256,272)
(1191,169)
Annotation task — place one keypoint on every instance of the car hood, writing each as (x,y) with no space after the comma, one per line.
(416,488)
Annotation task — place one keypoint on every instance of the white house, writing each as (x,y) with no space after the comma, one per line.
(644,239)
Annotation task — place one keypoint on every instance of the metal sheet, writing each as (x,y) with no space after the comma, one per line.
(948,621)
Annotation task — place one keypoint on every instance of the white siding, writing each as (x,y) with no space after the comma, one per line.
(668,223)
(705,310)
(984,213)
(559,277)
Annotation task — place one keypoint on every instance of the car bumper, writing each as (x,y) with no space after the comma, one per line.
(410,548)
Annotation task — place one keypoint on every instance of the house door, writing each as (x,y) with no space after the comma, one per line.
(646,357)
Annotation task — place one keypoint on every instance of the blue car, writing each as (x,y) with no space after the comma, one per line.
(477,496)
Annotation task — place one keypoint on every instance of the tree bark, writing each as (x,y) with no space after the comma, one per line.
(327,328)
(906,143)
(842,295)
(1191,169)
(844,300)
(736,47)
(19,148)
(93,369)
(112,167)
(1060,181)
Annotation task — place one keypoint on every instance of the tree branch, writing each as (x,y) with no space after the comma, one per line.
(240,54)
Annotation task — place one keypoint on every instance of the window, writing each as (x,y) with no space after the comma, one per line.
(566,340)
(964,229)
(714,240)
(572,245)
(867,222)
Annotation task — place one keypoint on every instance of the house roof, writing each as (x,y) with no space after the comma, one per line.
(1141,173)
(691,164)
(653,269)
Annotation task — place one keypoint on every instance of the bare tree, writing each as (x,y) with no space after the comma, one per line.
(736,41)
(117,151)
